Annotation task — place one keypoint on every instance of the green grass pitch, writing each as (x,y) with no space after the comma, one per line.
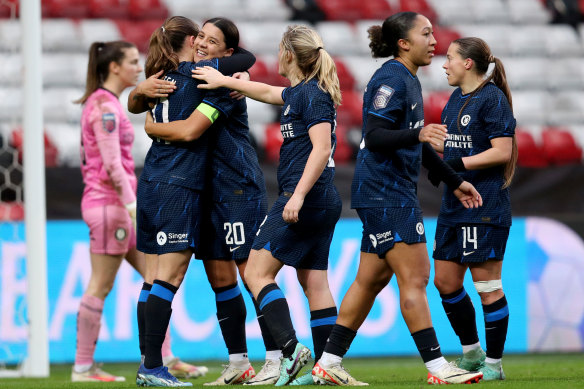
(523,371)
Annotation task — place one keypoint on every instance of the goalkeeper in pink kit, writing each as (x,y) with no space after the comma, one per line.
(108,205)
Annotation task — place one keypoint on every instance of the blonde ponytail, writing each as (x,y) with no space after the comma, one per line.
(312,59)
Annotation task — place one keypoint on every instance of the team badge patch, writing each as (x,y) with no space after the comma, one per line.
(465,120)
(109,122)
(382,97)
(121,234)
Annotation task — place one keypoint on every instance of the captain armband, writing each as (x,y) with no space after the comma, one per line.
(211,113)
(488,286)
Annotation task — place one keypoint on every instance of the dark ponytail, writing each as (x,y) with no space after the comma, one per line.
(479,51)
(384,38)
(165,43)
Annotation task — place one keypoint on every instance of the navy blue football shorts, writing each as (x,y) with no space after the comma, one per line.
(383,227)
(231,229)
(302,245)
(168,218)
(470,243)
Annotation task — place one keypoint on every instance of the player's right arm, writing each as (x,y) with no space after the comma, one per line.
(255,90)
(183,130)
(105,126)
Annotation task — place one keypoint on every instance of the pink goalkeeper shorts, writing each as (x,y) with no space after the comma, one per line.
(110,230)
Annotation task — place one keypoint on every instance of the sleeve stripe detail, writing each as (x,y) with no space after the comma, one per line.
(381,116)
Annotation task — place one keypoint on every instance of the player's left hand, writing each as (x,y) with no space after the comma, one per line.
(292,208)
(242,76)
(468,195)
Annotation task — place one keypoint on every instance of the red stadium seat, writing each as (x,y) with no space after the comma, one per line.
(138,32)
(11,210)
(349,10)
(433,106)
(147,9)
(350,112)
(7,7)
(51,152)
(260,72)
(111,9)
(345,77)
(77,9)
(444,36)
(375,9)
(559,147)
(529,153)
(420,6)
(273,141)
(343,151)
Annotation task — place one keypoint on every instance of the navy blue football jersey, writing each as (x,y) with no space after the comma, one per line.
(236,173)
(179,163)
(304,106)
(486,116)
(389,180)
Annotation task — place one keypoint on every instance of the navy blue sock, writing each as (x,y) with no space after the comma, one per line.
(141,314)
(157,316)
(321,324)
(275,309)
(461,313)
(427,344)
(231,314)
(269,341)
(496,323)
(339,340)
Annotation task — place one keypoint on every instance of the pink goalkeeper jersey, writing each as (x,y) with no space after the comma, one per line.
(106,152)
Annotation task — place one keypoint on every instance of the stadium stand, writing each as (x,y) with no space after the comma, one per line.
(543,61)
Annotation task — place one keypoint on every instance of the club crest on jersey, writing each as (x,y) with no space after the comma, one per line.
(465,120)
(382,97)
(109,122)
(121,234)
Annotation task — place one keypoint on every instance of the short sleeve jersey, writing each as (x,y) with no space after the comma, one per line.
(389,180)
(486,116)
(235,171)
(305,105)
(179,163)
(104,120)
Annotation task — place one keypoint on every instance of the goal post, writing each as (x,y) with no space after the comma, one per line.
(36,361)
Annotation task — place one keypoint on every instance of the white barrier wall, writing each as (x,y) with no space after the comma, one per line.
(543,277)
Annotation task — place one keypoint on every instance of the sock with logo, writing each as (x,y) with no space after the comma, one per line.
(274,307)
(269,341)
(231,314)
(157,316)
(321,324)
(461,313)
(427,344)
(339,340)
(141,314)
(88,325)
(496,323)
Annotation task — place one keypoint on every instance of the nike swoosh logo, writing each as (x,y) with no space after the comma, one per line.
(343,381)
(220,320)
(229,380)
(414,106)
(434,348)
(464,253)
(233,249)
(291,369)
